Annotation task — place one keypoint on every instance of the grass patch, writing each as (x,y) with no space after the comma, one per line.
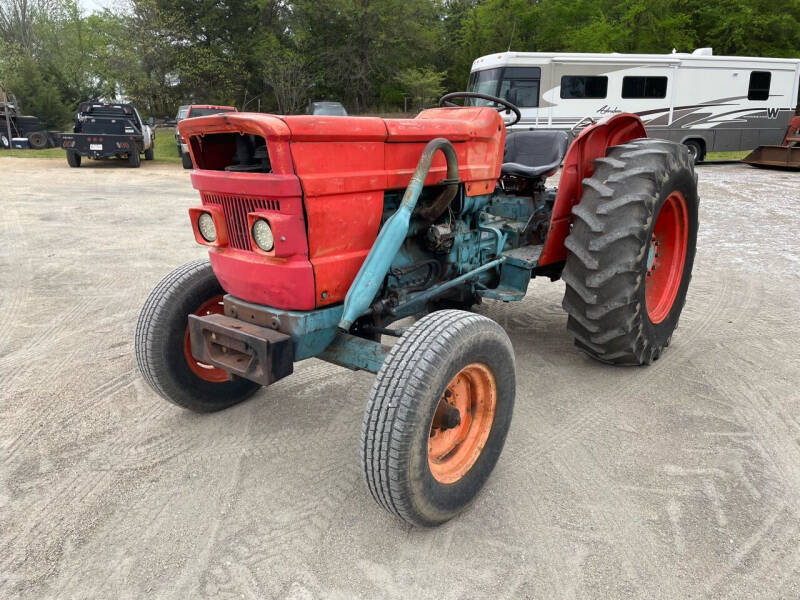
(739,154)
(165,150)
(48,153)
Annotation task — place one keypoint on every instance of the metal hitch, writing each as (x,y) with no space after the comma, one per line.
(256,353)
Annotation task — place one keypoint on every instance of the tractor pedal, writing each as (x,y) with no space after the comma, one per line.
(515,274)
(524,256)
(502,292)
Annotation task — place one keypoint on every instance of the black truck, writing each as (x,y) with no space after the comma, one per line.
(105,130)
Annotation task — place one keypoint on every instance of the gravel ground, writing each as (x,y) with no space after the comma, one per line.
(674,481)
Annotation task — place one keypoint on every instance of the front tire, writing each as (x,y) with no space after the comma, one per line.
(186,160)
(150,153)
(163,352)
(631,251)
(437,416)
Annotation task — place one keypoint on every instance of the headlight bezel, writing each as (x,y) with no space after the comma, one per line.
(218,219)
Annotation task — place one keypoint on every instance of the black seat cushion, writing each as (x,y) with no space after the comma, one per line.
(532,154)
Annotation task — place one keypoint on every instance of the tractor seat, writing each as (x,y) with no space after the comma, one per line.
(532,154)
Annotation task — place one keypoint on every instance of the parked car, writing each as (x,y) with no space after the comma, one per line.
(188,111)
(105,130)
(325,107)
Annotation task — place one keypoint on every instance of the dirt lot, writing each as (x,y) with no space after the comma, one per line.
(673,481)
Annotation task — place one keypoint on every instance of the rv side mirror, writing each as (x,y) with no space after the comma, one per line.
(151,121)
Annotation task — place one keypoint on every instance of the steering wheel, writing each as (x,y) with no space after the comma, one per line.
(445,101)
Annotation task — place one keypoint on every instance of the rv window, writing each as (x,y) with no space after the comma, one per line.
(584,86)
(644,87)
(522,73)
(759,85)
(520,86)
(484,82)
(523,93)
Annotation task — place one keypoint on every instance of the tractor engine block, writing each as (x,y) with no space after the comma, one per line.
(471,231)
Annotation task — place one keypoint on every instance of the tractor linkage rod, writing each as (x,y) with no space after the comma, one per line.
(438,290)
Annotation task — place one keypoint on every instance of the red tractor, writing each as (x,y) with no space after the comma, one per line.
(323,232)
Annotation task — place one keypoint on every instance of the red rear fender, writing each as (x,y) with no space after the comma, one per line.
(592,143)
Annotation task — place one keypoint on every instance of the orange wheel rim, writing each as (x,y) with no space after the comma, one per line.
(452,450)
(666,257)
(204,371)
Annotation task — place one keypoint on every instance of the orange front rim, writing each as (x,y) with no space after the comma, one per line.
(666,257)
(204,371)
(453,450)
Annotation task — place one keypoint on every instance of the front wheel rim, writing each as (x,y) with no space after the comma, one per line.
(666,257)
(453,451)
(206,372)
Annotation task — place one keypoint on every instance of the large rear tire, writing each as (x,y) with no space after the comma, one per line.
(437,416)
(134,160)
(73,159)
(631,251)
(163,353)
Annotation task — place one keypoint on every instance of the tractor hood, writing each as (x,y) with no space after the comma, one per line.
(320,182)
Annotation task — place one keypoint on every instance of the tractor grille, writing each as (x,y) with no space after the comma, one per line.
(235,209)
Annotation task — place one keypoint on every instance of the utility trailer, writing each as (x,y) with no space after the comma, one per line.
(104,130)
(14,125)
(709,103)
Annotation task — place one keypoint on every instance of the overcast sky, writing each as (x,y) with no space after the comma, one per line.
(92,5)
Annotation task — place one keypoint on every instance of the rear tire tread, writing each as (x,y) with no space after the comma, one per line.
(607,246)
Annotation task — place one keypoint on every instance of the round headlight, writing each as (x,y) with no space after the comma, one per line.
(262,235)
(206,226)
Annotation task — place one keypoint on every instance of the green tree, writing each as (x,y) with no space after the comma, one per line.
(289,78)
(357,47)
(366,53)
(423,85)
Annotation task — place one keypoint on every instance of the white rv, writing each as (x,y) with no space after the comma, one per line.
(710,103)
